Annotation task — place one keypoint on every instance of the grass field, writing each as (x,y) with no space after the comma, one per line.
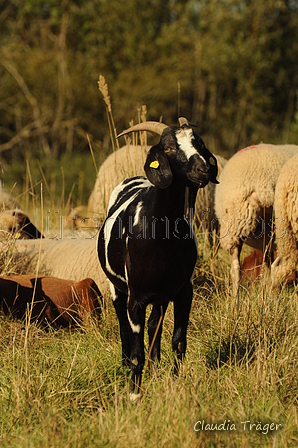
(68,389)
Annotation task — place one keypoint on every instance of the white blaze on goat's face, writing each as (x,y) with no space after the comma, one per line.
(184,140)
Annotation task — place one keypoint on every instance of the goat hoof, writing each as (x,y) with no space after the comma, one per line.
(134,398)
(126,362)
(152,367)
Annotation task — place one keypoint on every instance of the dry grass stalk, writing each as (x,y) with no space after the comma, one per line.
(103,88)
(92,153)
(30,184)
(142,113)
(134,136)
(30,309)
(143,135)
(179,99)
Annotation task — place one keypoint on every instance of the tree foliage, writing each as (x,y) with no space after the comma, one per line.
(228,65)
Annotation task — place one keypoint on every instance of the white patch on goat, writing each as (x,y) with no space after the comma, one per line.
(137,213)
(113,291)
(114,195)
(109,223)
(107,236)
(140,183)
(135,328)
(184,139)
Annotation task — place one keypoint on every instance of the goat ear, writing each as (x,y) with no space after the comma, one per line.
(157,168)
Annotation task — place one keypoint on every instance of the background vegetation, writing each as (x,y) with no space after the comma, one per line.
(228,65)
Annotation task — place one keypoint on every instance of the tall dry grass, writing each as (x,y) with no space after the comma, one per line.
(103,88)
(69,389)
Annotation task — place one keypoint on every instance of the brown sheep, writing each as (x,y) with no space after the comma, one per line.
(251,266)
(63,303)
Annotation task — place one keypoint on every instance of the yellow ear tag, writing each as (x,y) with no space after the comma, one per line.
(17,235)
(154,164)
(212,161)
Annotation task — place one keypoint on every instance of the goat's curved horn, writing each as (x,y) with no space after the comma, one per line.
(151,126)
(183,120)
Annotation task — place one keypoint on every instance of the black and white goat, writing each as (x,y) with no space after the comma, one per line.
(147,247)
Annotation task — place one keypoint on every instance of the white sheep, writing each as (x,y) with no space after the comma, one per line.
(286,223)
(244,200)
(204,210)
(69,258)
(7,202)
(126,162)
(129,161)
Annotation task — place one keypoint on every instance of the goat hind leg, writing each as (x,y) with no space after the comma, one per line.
(136,318)
(120,305)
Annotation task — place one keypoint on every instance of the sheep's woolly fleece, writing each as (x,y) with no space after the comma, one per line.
(7,202)
(286,222)
(247,186)
(126,162)
(70,259)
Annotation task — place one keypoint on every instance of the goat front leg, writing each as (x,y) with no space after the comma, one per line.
(136,318)
(120,304)
(182,306)
(154,332)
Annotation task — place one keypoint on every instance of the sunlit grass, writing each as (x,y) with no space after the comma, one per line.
(62,388)
(68,389)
